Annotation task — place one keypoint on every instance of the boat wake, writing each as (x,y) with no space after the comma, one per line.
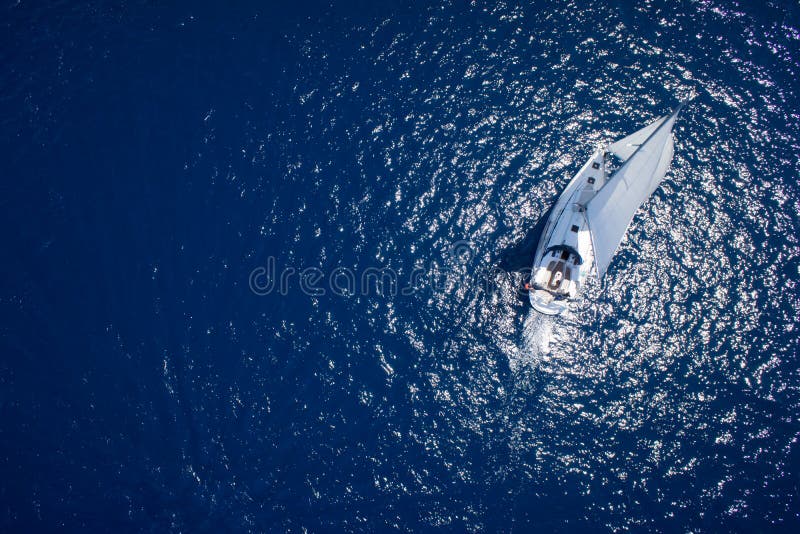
(537,332)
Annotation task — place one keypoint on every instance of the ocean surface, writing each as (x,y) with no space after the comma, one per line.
(196,202)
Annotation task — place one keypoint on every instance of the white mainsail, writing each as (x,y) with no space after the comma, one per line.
(646,154)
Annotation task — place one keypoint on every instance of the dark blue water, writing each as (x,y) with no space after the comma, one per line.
(154,158)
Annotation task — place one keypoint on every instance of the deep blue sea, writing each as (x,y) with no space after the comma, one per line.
(191,197)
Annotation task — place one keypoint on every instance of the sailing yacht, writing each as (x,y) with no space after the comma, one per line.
(593,213)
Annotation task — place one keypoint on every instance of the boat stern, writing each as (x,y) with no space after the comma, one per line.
(546,303)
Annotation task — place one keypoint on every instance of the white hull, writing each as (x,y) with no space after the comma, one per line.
(564,255)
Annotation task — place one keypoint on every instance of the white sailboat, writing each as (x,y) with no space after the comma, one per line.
(593,213)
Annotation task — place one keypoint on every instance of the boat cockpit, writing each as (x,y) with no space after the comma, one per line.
(561,270)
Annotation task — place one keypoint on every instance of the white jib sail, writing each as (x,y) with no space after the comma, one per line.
(647,154)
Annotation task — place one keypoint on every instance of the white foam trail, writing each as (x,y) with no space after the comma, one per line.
(537,332)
